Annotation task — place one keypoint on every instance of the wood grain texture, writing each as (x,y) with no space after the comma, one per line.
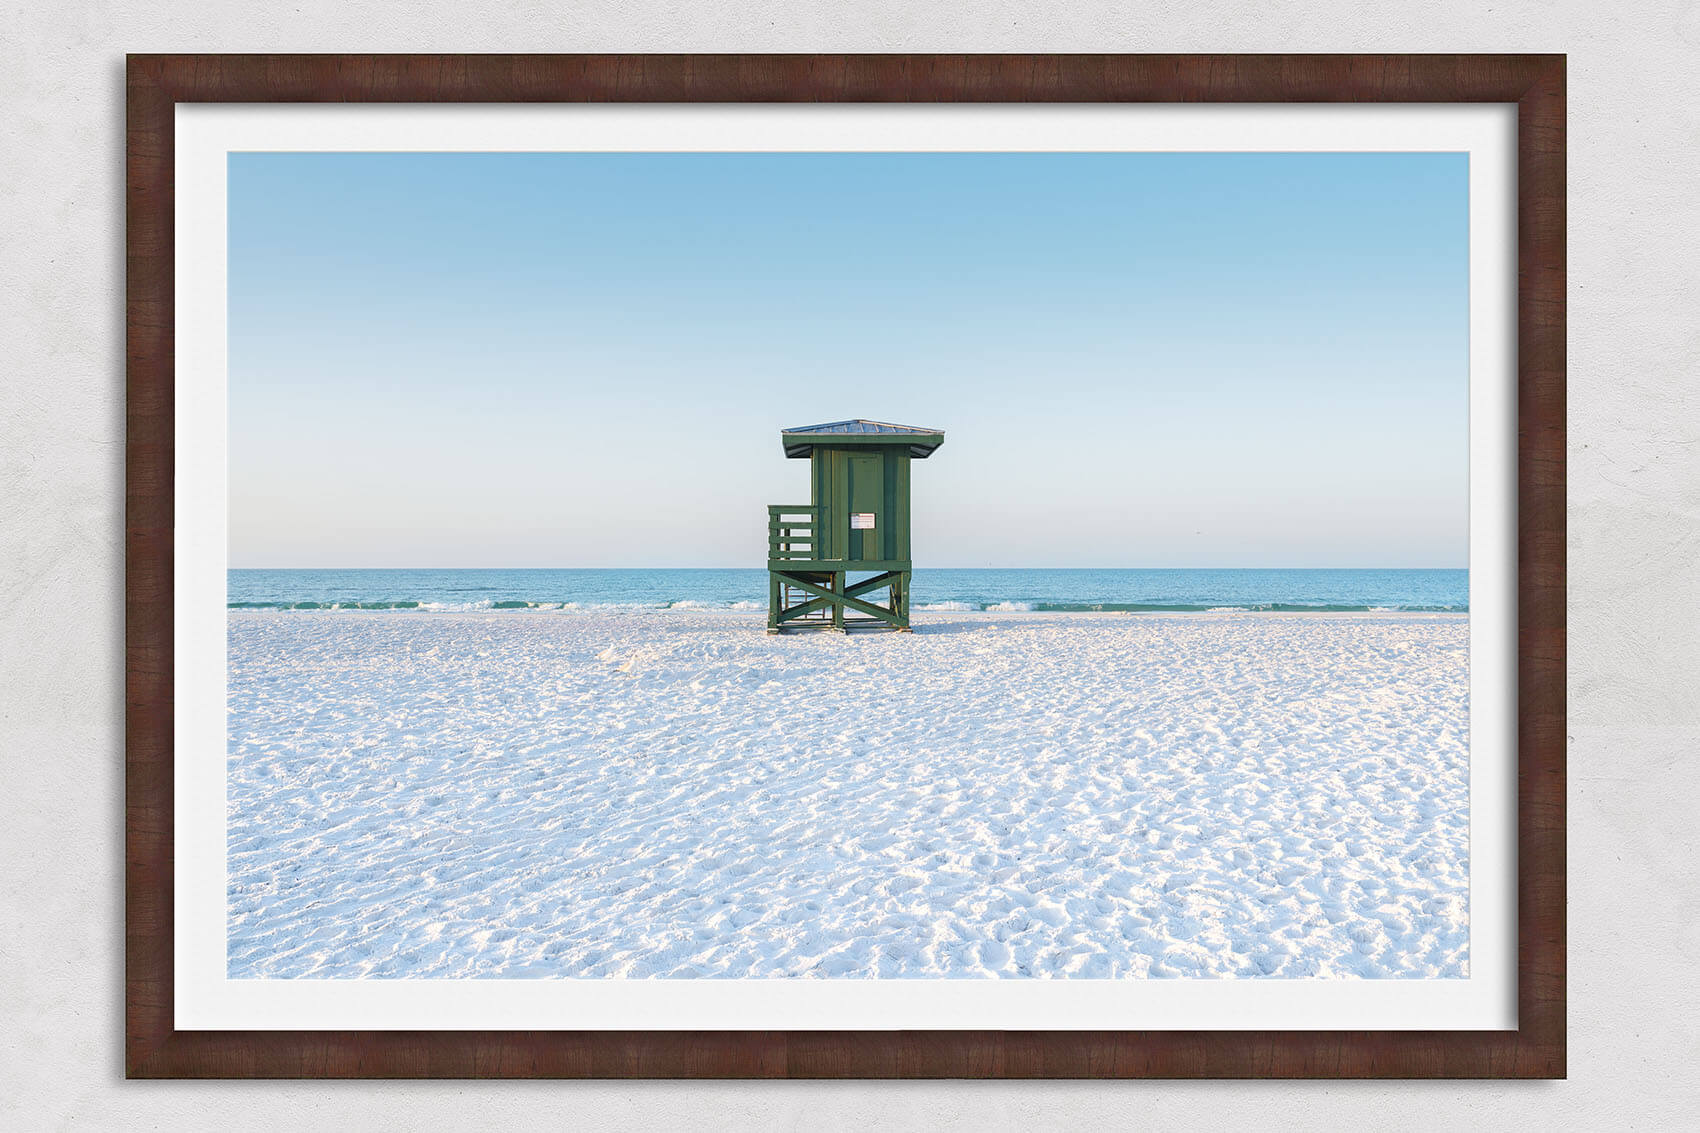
(1536,83)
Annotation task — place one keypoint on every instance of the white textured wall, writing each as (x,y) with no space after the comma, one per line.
(1634,566)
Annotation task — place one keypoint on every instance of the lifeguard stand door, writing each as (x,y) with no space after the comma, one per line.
(867,506)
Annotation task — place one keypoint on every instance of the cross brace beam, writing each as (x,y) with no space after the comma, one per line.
(846,599)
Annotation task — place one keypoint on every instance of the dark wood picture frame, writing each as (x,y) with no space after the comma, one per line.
(1536,83)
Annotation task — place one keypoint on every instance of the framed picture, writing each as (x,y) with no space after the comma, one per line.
(1196,710)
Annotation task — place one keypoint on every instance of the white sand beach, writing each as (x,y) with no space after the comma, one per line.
(673,794)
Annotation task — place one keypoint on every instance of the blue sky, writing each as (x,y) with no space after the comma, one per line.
(1139,360)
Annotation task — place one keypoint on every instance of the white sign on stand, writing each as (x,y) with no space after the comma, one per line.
(862,521)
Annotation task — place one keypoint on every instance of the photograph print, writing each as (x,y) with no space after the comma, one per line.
(848,566)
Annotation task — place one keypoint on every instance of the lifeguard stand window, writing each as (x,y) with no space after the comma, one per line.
(857,519)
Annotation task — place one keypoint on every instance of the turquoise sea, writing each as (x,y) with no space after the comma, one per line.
(989,589)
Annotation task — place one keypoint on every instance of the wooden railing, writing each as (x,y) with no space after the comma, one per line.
(791,531)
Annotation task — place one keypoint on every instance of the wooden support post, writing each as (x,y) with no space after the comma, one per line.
(772,602)
(839,578)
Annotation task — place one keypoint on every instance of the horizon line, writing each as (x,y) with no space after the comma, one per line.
(763,569)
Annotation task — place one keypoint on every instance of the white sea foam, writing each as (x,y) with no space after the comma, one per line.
(693,604)
(947,607)
(643,793)
(1010,607)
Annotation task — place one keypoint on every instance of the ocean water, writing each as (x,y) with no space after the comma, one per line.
(992,589)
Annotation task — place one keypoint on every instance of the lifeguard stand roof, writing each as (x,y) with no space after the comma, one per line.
(801,442)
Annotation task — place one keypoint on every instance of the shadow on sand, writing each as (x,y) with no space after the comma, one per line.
(932,628)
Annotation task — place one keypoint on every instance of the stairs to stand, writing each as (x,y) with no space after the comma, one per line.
(795,596)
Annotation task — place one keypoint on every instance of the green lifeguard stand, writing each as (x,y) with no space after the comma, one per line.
(857,521)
